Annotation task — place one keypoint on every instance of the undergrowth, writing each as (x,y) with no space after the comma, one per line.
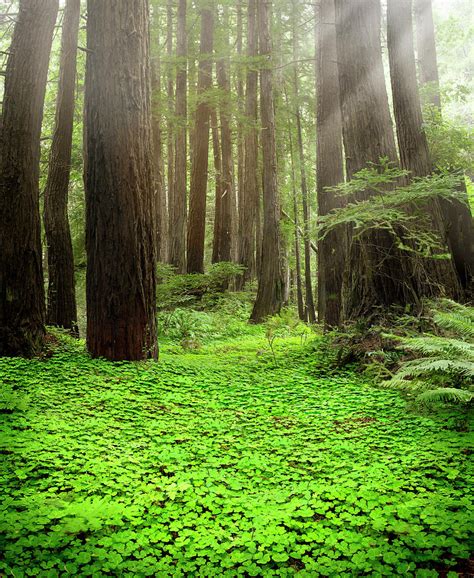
(219,461)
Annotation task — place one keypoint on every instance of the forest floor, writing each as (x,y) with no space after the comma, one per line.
(225,461)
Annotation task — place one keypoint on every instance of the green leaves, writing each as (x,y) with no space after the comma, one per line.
(219,463)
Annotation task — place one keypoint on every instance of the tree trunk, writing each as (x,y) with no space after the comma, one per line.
(198,190)
(170,150)
(457,215)
(62,310)
(178,210)
(249,202)
(412,142)
(227,205)
(216,148)
(310,310)
(22,307)
(240,134)
(269,294)
(329,165)
(426,45)
(377,274)
(160,189)
(120,223)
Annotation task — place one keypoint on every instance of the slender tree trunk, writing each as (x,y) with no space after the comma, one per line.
(412,142)
(61,309)
(299,284)
(227,205)
(216,148)
(178,210)
(240,132)
(249,201)
(377,274)
(22,307)
(457,215)
(120,221)
(426,44)
(310,309)
(198,190)
(160,189)
(329,165)
(170,144)
(269,294)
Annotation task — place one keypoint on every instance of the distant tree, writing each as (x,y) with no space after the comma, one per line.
(22,305)
(249,195)
(61,310)
(200,158)
(426,45)
(177,211)
(270,283)
(329,164)
(120,223)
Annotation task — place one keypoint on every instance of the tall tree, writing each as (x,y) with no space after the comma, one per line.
(61,310)
(412,141)
(457,215)
(173,254)
(270,283)
(377,274)
(216,148)
(22,307)
(177,234)
(120,224)
(426,45)
(199,169)
(240,134)
(249,194)
(310,310)
(329,163)
(226,236)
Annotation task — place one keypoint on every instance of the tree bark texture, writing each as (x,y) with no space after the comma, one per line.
(199,169)
(269,294)
(120,221)
(61,310)
(22,306)
(426,46)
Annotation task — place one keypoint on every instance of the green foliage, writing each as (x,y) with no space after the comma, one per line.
(11,400)
(217,462)
(178,290)
(443,369)
(401,210)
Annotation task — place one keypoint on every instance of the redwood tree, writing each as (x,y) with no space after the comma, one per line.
(249,193)
(61,309)
(200,160)
(22,308)
(177,211)
(426,45)
(270,283)
(120,222)
(329,164)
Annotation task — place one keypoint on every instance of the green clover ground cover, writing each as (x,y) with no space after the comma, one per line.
(219,463)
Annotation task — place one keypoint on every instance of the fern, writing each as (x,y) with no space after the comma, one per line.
(444,370)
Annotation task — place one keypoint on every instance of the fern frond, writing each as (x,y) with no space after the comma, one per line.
(456,322)
(446,394)
(432,345)
(427,365)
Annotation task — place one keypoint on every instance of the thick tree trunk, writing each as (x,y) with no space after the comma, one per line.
(310,309)
(269,294)
(198,190)
(120,223)
(61,310)
(22,307)
(426,45)
(377,273)
(329,165)
(412,142)
(457,215)
(249,197)
(178,210)
(227,200)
